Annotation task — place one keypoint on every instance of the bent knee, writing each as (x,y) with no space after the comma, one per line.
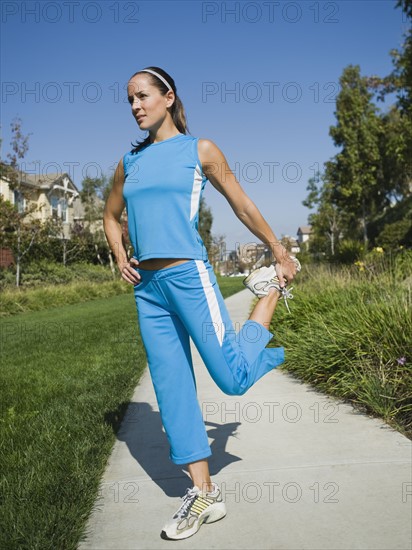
(233,390)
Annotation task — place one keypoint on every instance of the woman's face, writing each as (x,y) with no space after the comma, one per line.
(149,107)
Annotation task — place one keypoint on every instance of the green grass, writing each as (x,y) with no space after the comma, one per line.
(40,272)
(349,335)
(229,285)
(67,376)
(66,379)
(42,297)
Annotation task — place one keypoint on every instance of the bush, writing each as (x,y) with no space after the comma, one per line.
(396,234)
(49,296)
(348,251)
(349,333)
(396,263)
(7,277)
(80,248)
(46,272)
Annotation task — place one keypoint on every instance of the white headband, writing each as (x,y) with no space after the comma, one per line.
(158,76)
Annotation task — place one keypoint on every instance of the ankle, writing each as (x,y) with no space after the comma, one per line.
(204,486)
(273,295)
(273,291)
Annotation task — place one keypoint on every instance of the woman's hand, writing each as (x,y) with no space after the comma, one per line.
(129,274)
(286,269)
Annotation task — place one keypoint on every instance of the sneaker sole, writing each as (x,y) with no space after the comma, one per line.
(218,512)
(257,292)
(247,279)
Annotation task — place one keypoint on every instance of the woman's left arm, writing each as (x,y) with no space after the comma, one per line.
(217,171)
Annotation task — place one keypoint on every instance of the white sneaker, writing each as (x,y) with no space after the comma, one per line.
(198,507)
(265,278)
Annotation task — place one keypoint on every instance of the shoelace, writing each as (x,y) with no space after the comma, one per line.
(287,295)
(188,500)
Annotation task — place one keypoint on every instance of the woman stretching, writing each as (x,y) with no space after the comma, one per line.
(160,182)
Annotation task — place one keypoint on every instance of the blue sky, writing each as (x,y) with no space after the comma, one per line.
(257,78)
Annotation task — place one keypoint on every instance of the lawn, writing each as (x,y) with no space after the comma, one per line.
(79,284)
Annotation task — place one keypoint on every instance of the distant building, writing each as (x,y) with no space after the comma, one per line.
(50,196)
(303,233)
(290,244)
(254,255)
(53,195)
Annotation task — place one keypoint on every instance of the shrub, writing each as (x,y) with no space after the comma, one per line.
(396,234)
(47,272)
(349,335)
(348,251)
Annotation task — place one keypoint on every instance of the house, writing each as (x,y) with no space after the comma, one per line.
(290,244)
(47,196)
(254,255)
(303,233)
(50,196)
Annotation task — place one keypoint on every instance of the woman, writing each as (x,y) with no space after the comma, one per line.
(160,182)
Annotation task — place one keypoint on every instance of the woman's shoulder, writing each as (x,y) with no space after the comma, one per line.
(208,150)
(206,145)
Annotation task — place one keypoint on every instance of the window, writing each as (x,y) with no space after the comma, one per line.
(54,202)
(19,200)
(59,208)
(64,212)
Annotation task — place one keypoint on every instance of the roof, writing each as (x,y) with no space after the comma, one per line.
(46,181)
(291,240)
(304,229)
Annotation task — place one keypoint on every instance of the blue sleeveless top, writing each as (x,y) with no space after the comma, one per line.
(162,188)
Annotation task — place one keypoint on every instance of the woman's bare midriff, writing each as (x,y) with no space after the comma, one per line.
(160,263)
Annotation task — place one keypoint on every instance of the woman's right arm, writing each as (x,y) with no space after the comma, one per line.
(111,222)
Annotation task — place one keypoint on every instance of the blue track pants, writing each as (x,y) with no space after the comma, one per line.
(181,301)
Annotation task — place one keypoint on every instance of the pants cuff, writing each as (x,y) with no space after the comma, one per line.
(191,458)
(253,338)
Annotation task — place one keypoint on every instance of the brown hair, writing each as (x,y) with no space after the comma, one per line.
(177,109)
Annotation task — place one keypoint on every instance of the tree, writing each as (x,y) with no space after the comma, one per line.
(20,235)
(71,247)
(205,225)
(327,223)
(354,172)
(19,230)
(396,234)
(399,81)
(217,252)
(19,146)
(395,174)
(370,179)
(92,196)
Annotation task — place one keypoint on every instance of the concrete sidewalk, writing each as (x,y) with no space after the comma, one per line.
(297,469)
